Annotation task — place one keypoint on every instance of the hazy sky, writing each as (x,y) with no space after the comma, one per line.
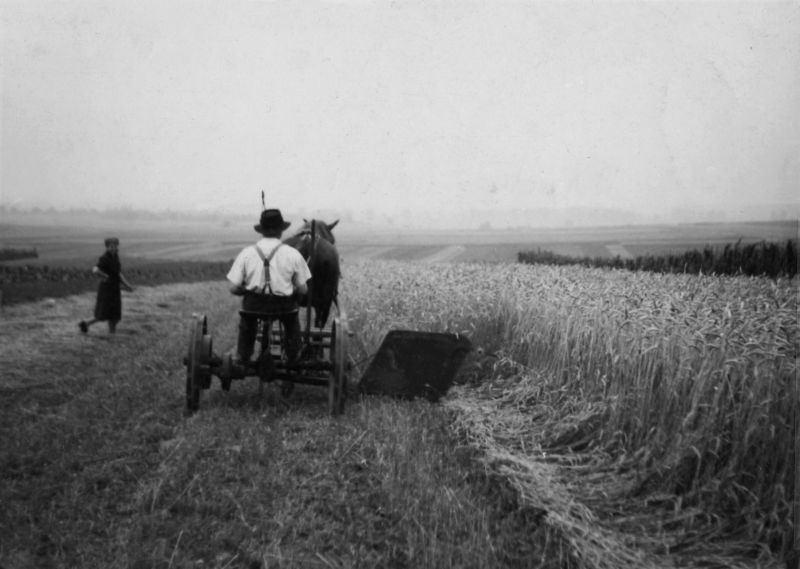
(402,105)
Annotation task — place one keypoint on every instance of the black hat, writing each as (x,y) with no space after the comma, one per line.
(271,220)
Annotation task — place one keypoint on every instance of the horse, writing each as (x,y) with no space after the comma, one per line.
(324,266)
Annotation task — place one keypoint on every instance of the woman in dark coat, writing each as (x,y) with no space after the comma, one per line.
(108,307)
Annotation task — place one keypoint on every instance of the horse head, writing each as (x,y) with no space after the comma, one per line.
(301,240)
(323,261)
(322,229)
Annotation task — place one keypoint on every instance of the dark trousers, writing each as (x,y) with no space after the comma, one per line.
(284,310)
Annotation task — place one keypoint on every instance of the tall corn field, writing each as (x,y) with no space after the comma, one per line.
(650,416)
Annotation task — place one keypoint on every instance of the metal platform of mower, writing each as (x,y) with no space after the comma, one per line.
(412,364)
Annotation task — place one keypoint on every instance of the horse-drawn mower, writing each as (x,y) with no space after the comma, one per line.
(407,364)
(323,357)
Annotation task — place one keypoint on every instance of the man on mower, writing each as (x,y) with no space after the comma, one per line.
(269,276)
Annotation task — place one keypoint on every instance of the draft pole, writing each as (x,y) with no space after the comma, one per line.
(311,282)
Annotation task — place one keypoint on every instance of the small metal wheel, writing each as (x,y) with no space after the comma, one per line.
(198,375)
(337,384)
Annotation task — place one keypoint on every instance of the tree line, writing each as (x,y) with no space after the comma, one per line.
(753,259)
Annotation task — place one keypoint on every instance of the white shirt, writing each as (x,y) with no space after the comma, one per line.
(287,268)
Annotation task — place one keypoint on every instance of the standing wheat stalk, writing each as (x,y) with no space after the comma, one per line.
(796,519)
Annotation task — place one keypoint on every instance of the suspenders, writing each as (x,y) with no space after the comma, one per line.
(266,260)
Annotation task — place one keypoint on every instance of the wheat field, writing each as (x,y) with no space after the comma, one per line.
(651,416)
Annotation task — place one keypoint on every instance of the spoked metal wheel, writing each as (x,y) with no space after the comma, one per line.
(198,373)
(337,384)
